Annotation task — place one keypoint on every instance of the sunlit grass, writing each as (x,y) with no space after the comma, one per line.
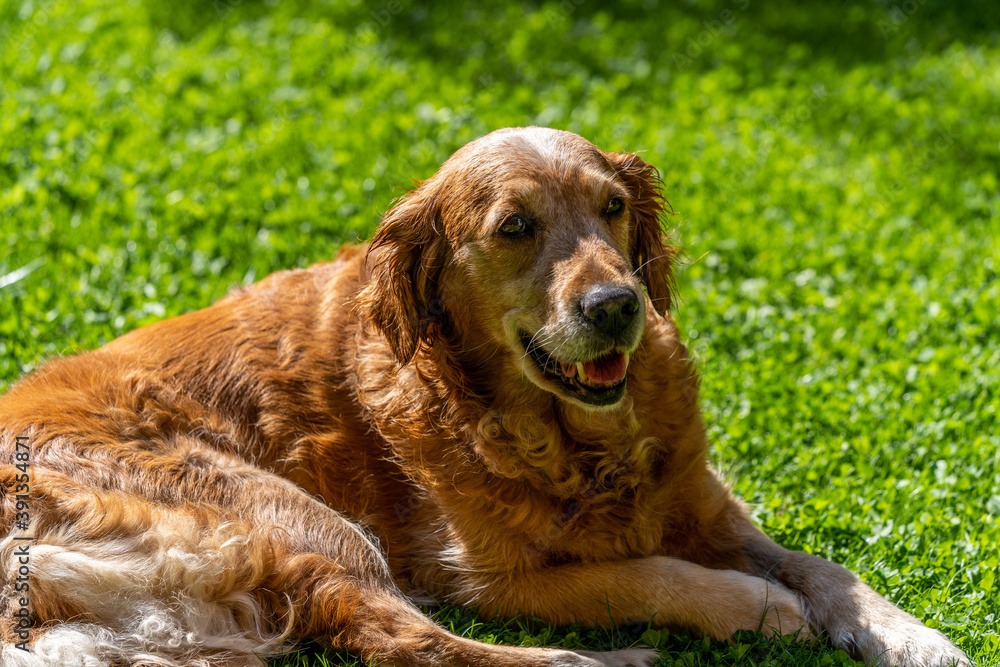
(834,168)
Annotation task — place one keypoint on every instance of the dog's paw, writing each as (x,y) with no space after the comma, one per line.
(903,641)
(635,657)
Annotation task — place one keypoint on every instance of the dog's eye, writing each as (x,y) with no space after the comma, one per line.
(615,206)
(515,226)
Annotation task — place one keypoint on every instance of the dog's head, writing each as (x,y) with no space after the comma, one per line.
(534,243)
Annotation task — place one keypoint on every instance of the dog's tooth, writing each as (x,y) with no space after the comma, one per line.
(579,369)
(626,359)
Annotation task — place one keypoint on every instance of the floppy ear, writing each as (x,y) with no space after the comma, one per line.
(651,256)
(404,261)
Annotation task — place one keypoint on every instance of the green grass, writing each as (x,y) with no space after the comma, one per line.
(834,168)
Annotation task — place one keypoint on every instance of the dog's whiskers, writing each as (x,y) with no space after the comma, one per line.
(651,259)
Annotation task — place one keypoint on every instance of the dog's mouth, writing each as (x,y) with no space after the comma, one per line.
(598,381)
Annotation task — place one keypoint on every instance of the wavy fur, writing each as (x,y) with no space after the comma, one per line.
(295,460)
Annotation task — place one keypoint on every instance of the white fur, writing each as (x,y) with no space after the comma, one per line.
(155,599)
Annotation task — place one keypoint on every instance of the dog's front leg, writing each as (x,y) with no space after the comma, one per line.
(658,589)
(834,600)
(855,616)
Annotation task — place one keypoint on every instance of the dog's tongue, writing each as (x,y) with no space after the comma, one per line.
(608,369)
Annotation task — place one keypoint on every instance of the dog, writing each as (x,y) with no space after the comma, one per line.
(489,404)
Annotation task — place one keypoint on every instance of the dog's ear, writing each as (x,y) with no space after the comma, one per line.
(651,256)
(404,261)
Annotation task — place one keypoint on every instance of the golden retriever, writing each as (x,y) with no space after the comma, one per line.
(489,404)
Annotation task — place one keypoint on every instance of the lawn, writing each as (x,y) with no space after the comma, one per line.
(834,168)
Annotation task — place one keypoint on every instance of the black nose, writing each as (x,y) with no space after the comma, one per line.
(610,308)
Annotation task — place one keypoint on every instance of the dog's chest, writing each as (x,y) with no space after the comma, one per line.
(598,523)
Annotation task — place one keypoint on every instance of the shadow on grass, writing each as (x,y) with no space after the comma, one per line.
(846,32)
(676,648)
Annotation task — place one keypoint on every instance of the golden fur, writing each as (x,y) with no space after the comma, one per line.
(413,416)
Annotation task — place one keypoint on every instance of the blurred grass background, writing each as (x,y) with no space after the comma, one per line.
(834,167)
